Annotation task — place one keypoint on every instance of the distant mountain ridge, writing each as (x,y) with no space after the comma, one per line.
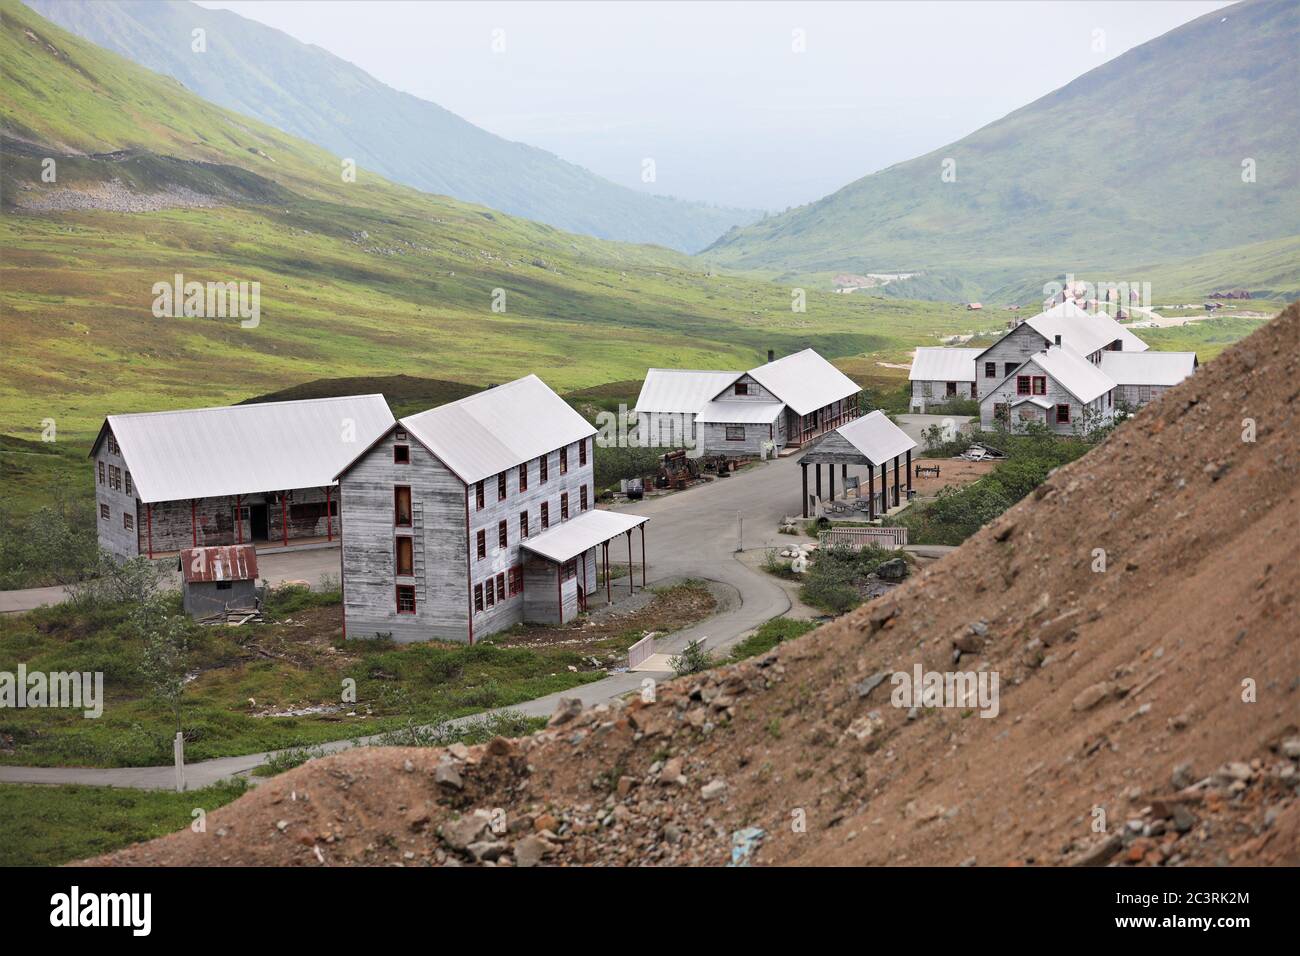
(1181,147)
(311,93)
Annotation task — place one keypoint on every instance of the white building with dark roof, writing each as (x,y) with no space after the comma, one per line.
(260,474)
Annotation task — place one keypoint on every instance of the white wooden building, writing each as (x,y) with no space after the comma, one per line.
(942,375)
(472,517)
(260,474)
(787,401)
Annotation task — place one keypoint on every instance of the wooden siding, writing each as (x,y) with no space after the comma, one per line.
(1018,346)
(938,393)
(1056,394)
(754,392)
(715,440)
(113,536)
(666,429)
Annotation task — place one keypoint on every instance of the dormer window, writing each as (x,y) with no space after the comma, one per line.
(742,388)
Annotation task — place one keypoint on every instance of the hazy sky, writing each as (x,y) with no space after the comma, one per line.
(716,92)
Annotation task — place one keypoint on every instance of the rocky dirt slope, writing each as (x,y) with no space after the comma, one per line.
(1147,712)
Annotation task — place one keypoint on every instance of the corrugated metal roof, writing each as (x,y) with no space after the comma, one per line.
(1148,368)
(681,390)
(805,381)
(1085,332)
(232,562)
(575,536)
(876,437)
(488,432)
(246,449)
(740,413)
(934,364)
(1075,373)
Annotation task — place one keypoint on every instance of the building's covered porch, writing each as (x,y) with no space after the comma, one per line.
(873,441)
(806,428)
(563,566)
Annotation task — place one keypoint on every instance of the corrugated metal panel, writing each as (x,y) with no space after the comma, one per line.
(500,428)
(575,536)
(933,364)
(1074,373)
(876,437)
(234,562)
(1148,368)
(1085,332)
(681,390)
(805,381)
(739,413)
(245,449)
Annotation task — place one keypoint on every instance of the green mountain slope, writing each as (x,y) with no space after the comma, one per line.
(356,279)
(307,91)
(1139,160)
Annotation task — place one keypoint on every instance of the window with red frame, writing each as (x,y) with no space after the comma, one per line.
(405,552)
(478,597)
(523,524)
(402,506)
(491,592)
(516,580)
(564,461)
(546,515)
(542,474)
(523,477)
(501,587)
(501,486)
(503,537)
(582,452)
(401,454)
(1063,414)
(564,506)
(582,498)
(1040,384)
(478,495)
(406,599)
(1022,384)
(482,544)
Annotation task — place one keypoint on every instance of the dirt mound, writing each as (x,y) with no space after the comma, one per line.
(1147,712)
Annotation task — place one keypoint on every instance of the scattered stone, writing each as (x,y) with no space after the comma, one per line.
(1092,696)
(565,711)
(864,687)
(446,774)
(713,789)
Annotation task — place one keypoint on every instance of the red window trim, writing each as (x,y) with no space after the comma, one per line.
(516,580)
(410,507)
(490,591)
(1023,384)
(397,597)
(501,586)
(397,559)
(478,598)
(1040,384)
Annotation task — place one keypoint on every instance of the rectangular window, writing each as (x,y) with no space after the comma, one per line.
(103,511)
(1040,384)
(735,433)
(402,506)
(101,472)
(990,369)
(491,592)
(503,538)
(399,434)
(582,452)
(516,580)
(482,544)
(405,555)
(478,495)
(501,486)
(1009,367)
(501,587)
(1022,384)
(128,522)
(1063,414)
(478,597)
(950,390)
(523,524)
(406,599)
(546,515)
(582,498)
(130,488)
(225,585)
(564,506)
(113,449)
(742,388)
(401,454)
(564,461)
(541,469)
(974,390)
(523,477)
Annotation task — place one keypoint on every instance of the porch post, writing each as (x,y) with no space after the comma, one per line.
(284,519)
(149,532)
(830,469)
(844,474)
(609,587)
(909,473)
(329,518)
(586,594)
(631,580)
(559,589)
(896,501)
(643,524)
(871,492)
(818,466)
(884,500)
(803,466)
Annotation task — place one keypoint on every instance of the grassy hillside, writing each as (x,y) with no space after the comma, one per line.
(1137,161)
(307,91)
(357,279)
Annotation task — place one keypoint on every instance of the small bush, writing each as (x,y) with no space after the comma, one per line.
(692,660)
